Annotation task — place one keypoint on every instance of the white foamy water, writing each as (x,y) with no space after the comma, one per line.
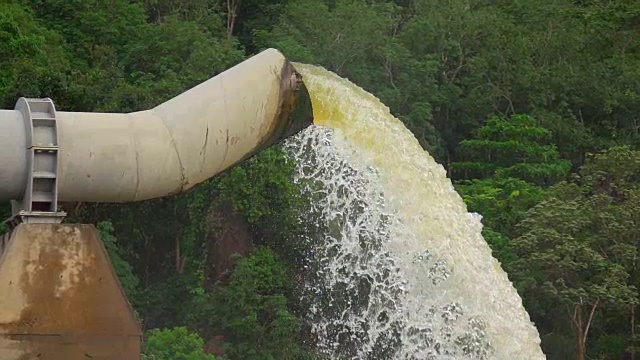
(399,268)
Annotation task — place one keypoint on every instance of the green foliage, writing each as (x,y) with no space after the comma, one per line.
(612,171)
(123,269)
(578,264)
(609,346)
(578,249)
(253,186)
(166,59)
(515,147)
(500,245)
(262,190)
(31,60)
(105,56)
(252,310)
(504,168)
(502,202)
(165,241)
(174,344)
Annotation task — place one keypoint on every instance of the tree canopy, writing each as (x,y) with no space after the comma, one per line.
(532,106)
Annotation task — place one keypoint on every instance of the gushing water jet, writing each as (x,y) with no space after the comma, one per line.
(400,268)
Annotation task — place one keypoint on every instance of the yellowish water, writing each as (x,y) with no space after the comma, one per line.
(449,299)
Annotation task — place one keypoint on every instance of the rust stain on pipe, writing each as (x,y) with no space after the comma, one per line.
(61,298)
(293,114)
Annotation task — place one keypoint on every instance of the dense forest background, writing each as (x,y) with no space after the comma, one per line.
(533,106)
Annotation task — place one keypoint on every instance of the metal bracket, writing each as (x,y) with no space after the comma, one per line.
(40,200)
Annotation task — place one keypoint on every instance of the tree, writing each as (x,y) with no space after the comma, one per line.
(578,248)
(32,62)
(174,344)
(511,147)
(502,203)
(251,311)
(121,267)
(501,174)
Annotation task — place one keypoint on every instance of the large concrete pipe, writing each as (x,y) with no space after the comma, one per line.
(106,157)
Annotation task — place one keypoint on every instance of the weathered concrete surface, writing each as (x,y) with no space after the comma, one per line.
(60,298)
